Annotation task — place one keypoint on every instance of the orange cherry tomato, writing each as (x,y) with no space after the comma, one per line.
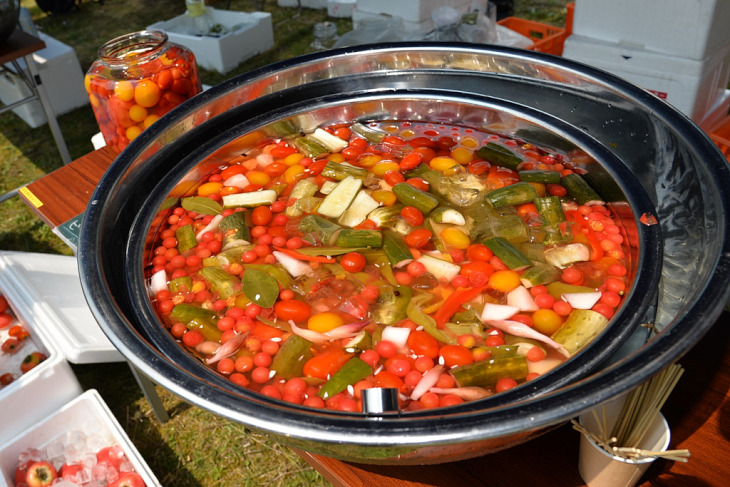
(419,238)
(455,355)
(292,309)
(323,365)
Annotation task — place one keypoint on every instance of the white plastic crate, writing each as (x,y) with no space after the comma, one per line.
(247,34)
(340,8)
(686,28)
(315,4)
(410,10)
(40,391)
(87,414)
(62,78)
(692,86)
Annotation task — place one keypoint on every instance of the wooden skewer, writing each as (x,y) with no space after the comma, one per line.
(638,413)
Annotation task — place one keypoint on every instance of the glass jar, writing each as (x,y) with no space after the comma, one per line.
(138,78)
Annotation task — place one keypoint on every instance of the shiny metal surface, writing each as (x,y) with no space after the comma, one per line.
(668,167)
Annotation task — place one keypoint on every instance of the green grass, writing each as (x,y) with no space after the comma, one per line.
(194,447)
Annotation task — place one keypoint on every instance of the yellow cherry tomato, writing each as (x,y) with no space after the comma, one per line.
(504,281)
(546,321)
(387,198)
(380,168)
(124,90)
(454,237)
(132,132)
(147,93)
(150,119)
(207,189)
(137,113)
(442,163)
(258,177)
(324,322)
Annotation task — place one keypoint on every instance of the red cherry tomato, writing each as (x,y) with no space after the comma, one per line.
(10,345)
(325,364)
(418,238)
(292,309)
(3,304)
(454,355)
(31,361)
(412,215)
(353,262)
(421,343)
(6,319)
(261,215)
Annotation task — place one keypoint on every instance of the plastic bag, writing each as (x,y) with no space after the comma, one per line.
(373,31)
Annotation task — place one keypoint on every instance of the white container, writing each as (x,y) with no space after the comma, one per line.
(340,8)
(62,78)
(247,34)
(685,28)
(410,10)
(692,86)
(315,4)
(86,413)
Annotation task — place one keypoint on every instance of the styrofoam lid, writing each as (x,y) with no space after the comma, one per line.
(46,287)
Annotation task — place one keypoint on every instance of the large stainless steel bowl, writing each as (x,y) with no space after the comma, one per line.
(652,159)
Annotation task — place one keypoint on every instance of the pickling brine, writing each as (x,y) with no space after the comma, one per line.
(449,263)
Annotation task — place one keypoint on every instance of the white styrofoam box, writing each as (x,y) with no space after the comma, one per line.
(717,113)
(62,78)
(692,86)
(316,4)
(686,28)
(88,414)
(359,18)
(340,8)
(410,10)
(48,288)
(40,391)
(248,34)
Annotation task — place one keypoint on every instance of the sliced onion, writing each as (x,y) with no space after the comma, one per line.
(208,347)
(493,311)
(158,281)
(237,180)
(397,335)
(263,160)
(581,300)
(522,330)
(521,298)
(293,266)
(428,380)
(345,331)
(471,393)
(228,348)
(213,225)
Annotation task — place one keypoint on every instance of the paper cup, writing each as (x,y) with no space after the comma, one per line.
(598,468)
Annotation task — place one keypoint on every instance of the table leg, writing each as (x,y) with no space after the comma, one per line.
(150,393)
(47,108)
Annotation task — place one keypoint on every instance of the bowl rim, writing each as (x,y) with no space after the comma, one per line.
(574,398)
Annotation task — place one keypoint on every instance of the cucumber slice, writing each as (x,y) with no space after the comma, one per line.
(249,200)
(358,211)
(337,202)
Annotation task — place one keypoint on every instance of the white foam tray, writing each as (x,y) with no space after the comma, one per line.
(87,413)
(46,290)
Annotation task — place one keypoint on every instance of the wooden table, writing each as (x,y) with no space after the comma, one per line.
(698,411)
(22,45)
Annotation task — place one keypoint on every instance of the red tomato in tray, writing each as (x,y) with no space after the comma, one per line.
(6,319)
(3,304)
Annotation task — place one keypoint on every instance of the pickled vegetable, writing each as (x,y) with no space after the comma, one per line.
(404,255)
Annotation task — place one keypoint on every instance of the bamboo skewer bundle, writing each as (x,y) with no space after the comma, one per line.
(639,411)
